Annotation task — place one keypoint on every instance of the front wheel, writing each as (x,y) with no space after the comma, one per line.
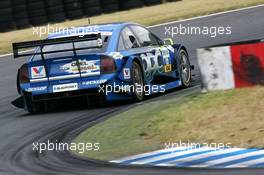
(184,68)
(137,82)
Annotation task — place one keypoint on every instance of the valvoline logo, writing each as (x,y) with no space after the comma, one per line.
(38,72)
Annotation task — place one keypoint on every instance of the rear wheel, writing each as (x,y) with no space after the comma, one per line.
(137,82)
(33,107)
(17,82)
(184,68)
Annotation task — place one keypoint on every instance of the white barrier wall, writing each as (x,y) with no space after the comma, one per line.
(216,68)
(233,66)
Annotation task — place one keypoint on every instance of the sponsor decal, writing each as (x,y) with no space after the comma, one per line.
(99,42)
(116,55)
(152,64)
(126,72)
(94,82)
(165,54)
(168,68)
(65,87)
(85,67)
(38,72)
(170,48)
(105,33)
(37,89)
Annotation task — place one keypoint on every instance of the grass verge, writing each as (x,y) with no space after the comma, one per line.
(146,16)
(233,116)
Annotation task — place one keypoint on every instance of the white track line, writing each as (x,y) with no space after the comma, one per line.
(195,157)
(146,155)
(167,156)
(228,159)
(172,22)
(247,163)
(200,156)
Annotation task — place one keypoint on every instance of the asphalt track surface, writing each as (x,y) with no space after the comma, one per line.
(18,130)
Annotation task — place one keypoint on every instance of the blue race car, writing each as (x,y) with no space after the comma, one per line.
(118,61)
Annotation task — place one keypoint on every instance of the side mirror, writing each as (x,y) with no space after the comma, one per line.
(168,41)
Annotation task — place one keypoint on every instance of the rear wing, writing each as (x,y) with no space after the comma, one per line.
(47,42)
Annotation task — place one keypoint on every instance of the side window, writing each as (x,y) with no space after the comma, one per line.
(146,37)
(130,40)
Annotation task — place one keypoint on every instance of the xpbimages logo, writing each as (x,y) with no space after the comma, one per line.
(81,148)
(212,31)
(193,145)
(125,88)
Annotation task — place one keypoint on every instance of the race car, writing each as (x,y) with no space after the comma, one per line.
(118,61)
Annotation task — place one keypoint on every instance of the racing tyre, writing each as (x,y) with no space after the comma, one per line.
(39,20)
(184,68)
(17,82)
(31,106)
(19,2)
(57,17)
(22,23)
(138,82)
(130,4)
(110,8)
(74,14)
(151,2)
(5,3)
(92,11)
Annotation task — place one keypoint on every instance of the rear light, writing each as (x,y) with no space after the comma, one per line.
(107,65)
(23,75)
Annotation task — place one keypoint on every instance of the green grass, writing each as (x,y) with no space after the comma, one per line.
(234,116)
(146,16)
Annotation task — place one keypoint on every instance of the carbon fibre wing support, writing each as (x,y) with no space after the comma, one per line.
(47,42)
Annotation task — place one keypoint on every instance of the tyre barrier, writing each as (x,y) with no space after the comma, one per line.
(6,16)
(109,6)
(151,2)
(130,4)
(230,66)
(92,7)
(37,12)
(73,9)
(19,14)
(55,11)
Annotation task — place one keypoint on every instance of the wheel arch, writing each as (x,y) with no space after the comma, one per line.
(178,48)
(136,58)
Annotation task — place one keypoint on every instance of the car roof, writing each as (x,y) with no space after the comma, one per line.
(108,27)
(115,28)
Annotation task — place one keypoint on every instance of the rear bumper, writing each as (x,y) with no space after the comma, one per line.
(69,94)
(75,88)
